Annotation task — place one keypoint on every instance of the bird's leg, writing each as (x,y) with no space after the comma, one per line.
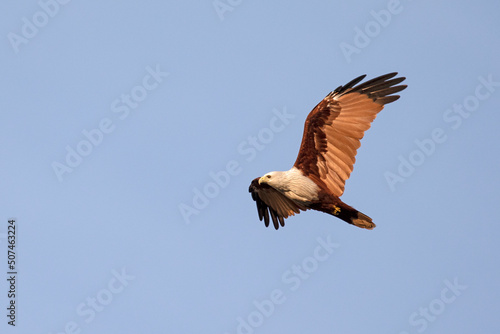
(336,210)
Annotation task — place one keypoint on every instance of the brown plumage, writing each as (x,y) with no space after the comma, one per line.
(332,134)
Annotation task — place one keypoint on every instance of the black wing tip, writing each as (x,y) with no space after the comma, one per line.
(390,75)
(381,88)
(253,185)
(341,89)
(263,209)
(382,81)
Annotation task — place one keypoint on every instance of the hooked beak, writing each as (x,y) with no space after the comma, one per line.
(262,180)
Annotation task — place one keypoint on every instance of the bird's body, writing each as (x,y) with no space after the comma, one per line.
(332,134)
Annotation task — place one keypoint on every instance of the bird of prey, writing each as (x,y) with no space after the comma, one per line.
(332,134)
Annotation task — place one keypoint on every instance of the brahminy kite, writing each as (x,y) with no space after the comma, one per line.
(332,134)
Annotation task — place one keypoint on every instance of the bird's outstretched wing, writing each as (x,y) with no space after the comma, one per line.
(334,128)
(272,202)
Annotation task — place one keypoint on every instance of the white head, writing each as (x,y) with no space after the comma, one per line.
(274,179)
(293,184)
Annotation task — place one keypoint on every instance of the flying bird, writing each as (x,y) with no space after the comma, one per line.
(332,134)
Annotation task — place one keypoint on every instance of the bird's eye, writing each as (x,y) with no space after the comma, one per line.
(268,176)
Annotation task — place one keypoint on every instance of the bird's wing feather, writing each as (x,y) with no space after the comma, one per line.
(334,128)
(272,202)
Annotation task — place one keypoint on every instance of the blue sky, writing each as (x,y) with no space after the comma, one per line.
(130,133)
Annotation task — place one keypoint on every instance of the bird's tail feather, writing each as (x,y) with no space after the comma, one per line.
(352,216)
(362,221)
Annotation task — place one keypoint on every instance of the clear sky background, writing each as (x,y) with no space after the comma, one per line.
(161,98)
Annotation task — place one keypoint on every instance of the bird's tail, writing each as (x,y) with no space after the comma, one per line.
(352,216)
